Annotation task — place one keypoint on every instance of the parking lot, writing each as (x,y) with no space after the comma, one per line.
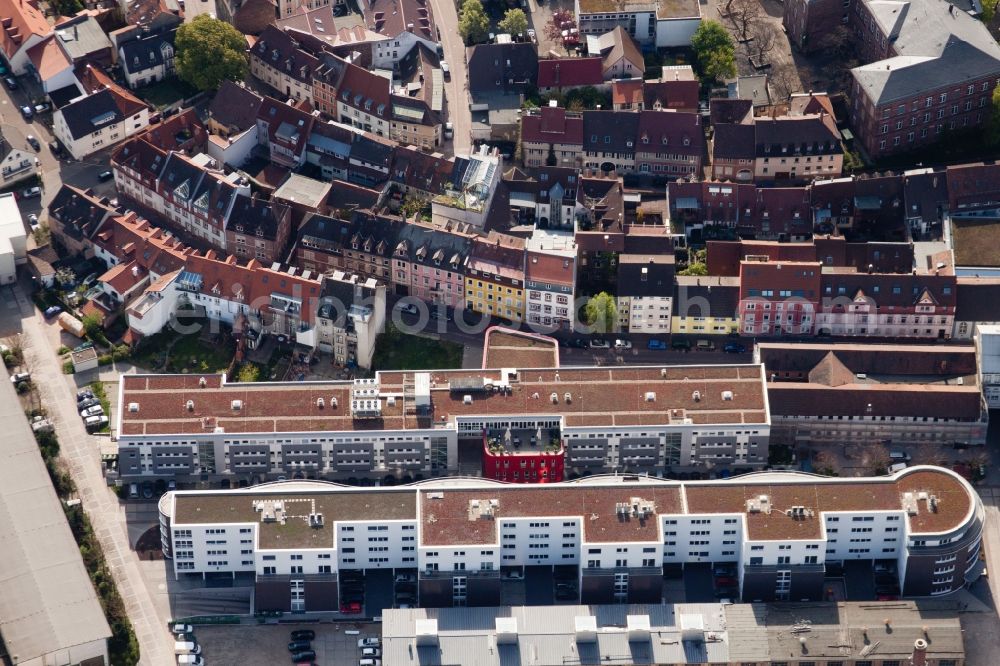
(268,644)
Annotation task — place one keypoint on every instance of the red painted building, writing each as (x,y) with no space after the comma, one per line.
(533,465)
(778,298)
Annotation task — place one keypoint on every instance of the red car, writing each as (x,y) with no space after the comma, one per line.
(722,581)
(352,607)
(887,597)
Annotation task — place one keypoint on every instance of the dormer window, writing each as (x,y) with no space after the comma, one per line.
(645,140)
(260,233)
(354,246)
(666,141)
(687,141)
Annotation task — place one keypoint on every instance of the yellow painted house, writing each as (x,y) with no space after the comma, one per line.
(494,278)
(706,305)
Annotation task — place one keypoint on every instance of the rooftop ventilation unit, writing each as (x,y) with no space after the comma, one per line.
(315,520)
(506,630)
(585,627)
(650,396)
(190,405)
(554,398)
(663,373)
(333,402)
(638,628)
(696,396)
(237,405)
(133,407)
(466,399)
(321,403)
(568,397)
(727,395)
(435,495)
(202,382)
(426,632)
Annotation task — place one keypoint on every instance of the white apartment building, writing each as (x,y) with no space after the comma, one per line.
(632,419)
(13,239)
(776,530)
(550,279)
(988,352)
(645,292)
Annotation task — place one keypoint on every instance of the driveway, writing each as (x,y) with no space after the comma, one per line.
(457,89)
(83,458)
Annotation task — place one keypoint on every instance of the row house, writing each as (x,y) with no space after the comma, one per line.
(430,263)
(258,228)
(495,275)
(778,298)
(609,140)
(362,245)
(550,281)
(797,148)
(834,252)
(350,318)
(544,197)
(648,142)
(705,305)
(551,136)
(561,75)
(645,293)
(278,60)
(284,130)
(677,89)
(75,215)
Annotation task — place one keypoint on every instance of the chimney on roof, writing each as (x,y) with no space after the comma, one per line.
(919,656)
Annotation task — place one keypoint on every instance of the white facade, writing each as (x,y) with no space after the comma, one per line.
(525,534)
(388,52)
(988,350)
(647,314)
(233,150)
(138,74)
(99,139)
(13,239)
(676,32)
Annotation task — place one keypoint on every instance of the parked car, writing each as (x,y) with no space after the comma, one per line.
(725,580)
(371,652)
(723,570)
(171,485)
(445,70)
(95,422)
(657,344)
(899,456)
(52,311)
(369,641)
(96,410)
(31,193)
(734,348)
(299,646)
(303,635)
(133,493)
(370,662)
(449,130)
(181,629)
(33,142)
(55,148)
(147,489)
(599,344)
(33,221)
(705,345)
(44,107)
(408,308)
(680,344)
(26,112)
(87,403)
(19,377)
(304,655)
(11,82)
(623,344)
(351,607)
(405,578)
(84,394)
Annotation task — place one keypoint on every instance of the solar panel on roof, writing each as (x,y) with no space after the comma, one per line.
(467,385)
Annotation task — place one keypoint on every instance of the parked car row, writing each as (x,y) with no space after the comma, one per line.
(725,583)
(186,648)
(90,410)
(300,647)
(371,651)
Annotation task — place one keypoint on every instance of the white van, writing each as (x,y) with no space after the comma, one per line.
(899,456)
(186,647)
(898,467)
(190,660)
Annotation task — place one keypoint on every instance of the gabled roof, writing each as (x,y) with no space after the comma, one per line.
(679,132)
(235,105)
(730,110)
(80,213)
(394,17)
(81,36)
(48,59)
(21,20)
(733,141)
(552,125)
(254,16)
(681,95)
(414,168)
(812,134)
(98,110)
(286,125)
(569,72)
(493,68)
(257,217)
(627,91)
(610,131)
(365,91)
(278,50)
(621,45)
(147,52)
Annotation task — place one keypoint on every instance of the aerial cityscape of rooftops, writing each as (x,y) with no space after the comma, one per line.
(501,332)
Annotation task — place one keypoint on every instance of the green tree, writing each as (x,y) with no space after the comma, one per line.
(601,312)
(473,24)
(66,7)
(249,372)
(92,326)
(514,22)
(209,51)
(714,51)
(995,117)
(697,268)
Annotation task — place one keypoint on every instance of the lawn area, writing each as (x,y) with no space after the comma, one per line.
(165,93)
(398,351)
(187,353)
(976,241)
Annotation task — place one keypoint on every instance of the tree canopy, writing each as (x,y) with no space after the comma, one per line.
(473,24)
(209,51)
(514,22)
(995,117)
(601,312)
(714,51)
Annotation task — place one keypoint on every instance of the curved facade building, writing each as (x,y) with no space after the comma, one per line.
(779,532)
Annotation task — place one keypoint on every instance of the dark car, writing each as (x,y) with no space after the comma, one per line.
(26,112)
(303,635)
(105,175)
(55,147)
(11,83)
(734,348)
(680,344)
(299,646)
(304,655)
(52,311)
(33,142)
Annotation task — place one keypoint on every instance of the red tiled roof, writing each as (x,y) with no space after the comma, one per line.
(21,20)
(552,125)
(124,276)
(627,91)
(568,72)
(48,58)
(550,268)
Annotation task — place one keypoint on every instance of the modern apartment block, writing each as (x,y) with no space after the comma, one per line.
(779,531)
(869,393)
(629,419)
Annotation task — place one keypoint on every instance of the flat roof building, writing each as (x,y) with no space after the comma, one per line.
(777,530)
(632,419)
(49,611)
